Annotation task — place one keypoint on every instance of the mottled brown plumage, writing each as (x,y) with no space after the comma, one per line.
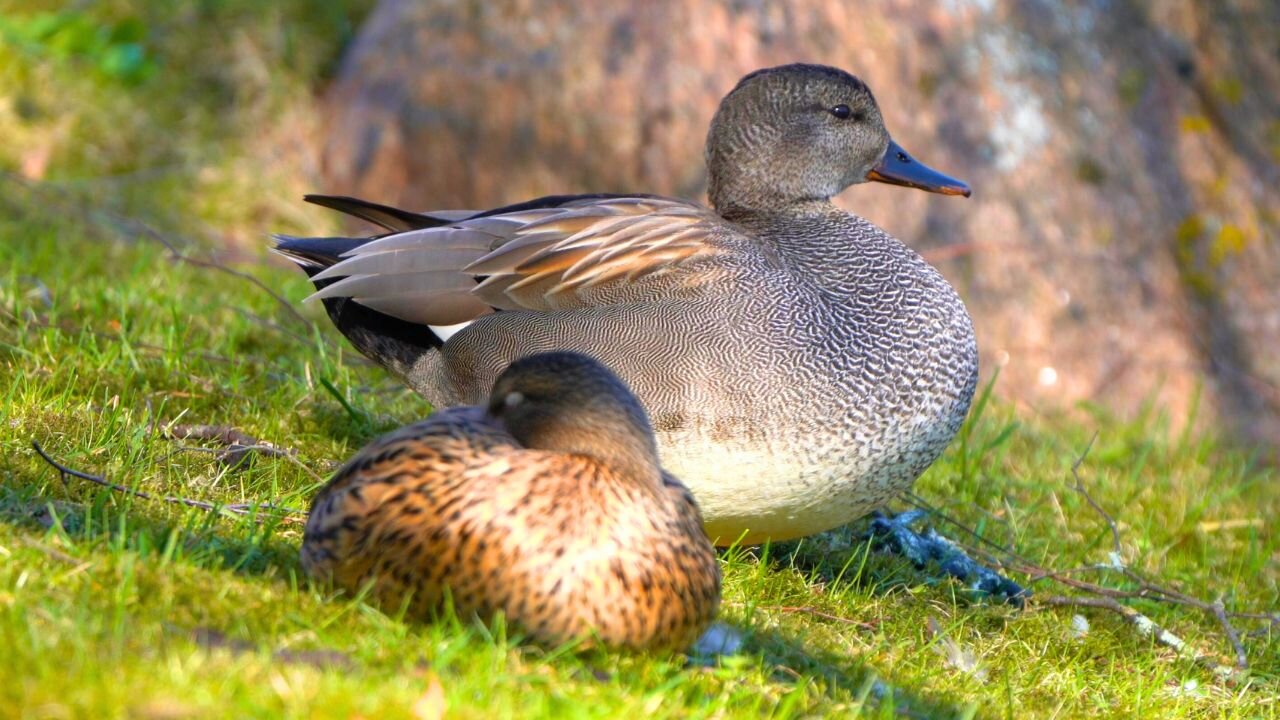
(548,506)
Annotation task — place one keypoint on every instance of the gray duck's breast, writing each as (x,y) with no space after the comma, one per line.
(868,372)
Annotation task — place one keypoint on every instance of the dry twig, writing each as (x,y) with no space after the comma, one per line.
(321,659)
(1109,598)
(282,513)
(238,446)
(806,610)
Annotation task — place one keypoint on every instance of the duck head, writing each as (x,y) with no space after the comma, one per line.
(570,403)
(799,133)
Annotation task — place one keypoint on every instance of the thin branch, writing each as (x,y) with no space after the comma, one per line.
(1233,636)
(1080,488)
(1109,598)
(237,450)
(237,445)
(216,640)
(1271,617)
(235,455)
(272,325)
(806,610)
(287,514)
(224,434)
(1148,627)
(175,254)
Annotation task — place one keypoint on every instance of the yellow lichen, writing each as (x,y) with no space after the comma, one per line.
(1229,89)
(1194,274)
(1196,124)
(1229,241)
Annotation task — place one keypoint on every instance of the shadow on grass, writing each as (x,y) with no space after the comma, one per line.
(843,556)
(238,545)
(351,421)
(268,548)
(245,545)
(847,556)
(842,679)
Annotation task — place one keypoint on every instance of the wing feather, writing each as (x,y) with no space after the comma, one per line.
(480,240)
(400,262)
(541,258)
(396,285)
(435,308)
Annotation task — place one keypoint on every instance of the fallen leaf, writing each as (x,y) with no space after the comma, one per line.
(164,708)
(431,704)
(35,162)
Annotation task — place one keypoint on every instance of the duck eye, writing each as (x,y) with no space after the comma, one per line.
(841,111)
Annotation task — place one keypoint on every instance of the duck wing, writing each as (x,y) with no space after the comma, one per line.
(314,254)
(548,254)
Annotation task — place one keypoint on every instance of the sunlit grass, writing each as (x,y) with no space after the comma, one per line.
(106,601)
(113,605)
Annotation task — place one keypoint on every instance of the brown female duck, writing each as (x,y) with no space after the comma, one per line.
(547,506)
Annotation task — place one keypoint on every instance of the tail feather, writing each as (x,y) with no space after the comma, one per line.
(393,219)
(384,339)
(315,254)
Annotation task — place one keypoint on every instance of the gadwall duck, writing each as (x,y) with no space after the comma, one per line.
(801,366)
(547,506)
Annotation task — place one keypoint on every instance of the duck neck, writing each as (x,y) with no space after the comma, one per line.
(822,243)
(629,451)
(754,164)
(753,190)
(770,209)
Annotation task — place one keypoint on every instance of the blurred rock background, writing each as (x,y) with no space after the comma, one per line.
(1120,247)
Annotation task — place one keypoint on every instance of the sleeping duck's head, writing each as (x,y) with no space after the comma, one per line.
(798,133)
(568,402)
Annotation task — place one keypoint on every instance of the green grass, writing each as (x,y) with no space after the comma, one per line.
(117,606)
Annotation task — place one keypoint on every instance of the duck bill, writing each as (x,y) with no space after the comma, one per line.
(897,167)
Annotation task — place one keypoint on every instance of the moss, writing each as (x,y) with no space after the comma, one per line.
(1195,124)
(1228,242)
(1188,255)
(1130,86)
(1230,89)
(1090,171)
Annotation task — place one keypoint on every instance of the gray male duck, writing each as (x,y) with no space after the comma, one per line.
(801,366)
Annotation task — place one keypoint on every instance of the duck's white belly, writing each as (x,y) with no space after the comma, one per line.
(797,482)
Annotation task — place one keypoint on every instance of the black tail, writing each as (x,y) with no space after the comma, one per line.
(315,254)
(388,341)
(393,219)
